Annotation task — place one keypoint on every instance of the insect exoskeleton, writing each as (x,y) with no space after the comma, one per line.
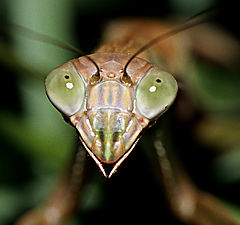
(110,113)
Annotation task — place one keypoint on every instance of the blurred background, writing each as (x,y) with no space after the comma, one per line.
(36,144)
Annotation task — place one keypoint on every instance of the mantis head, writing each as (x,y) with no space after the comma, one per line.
(110,111)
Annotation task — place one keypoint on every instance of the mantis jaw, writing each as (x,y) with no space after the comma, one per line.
(115,165)
(109,136)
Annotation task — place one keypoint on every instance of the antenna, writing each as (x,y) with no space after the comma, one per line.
(36,36)
(193,21)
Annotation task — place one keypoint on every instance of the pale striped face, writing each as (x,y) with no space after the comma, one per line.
(107,113)
(110,117)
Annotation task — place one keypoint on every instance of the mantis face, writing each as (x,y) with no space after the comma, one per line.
(109,112)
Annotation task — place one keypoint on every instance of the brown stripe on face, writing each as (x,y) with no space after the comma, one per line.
(110,94)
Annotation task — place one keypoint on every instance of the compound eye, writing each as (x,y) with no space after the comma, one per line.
(155,92)
(65,89)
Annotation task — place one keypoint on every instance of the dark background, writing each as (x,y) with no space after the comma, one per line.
(36,144)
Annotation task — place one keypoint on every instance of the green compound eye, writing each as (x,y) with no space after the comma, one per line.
(65,89)
(155,92)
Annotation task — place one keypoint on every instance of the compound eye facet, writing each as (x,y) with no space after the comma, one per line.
(155,92)
(65,89)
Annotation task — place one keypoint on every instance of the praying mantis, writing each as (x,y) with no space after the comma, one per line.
(108,96)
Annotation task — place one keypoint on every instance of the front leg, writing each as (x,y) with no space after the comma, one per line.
(189,204)
(62,201)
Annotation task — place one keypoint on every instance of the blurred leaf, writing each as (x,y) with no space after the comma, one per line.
(190,7)
(226,167)
(9,204)
(47,17)
(215,90)
(234,210)
(219,132)
(41,132)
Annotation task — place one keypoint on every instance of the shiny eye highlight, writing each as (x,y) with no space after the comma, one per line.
(155,92)
(65,89)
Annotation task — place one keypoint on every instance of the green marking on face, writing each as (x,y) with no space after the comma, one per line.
(155,92)
(65,88)
(109,127)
